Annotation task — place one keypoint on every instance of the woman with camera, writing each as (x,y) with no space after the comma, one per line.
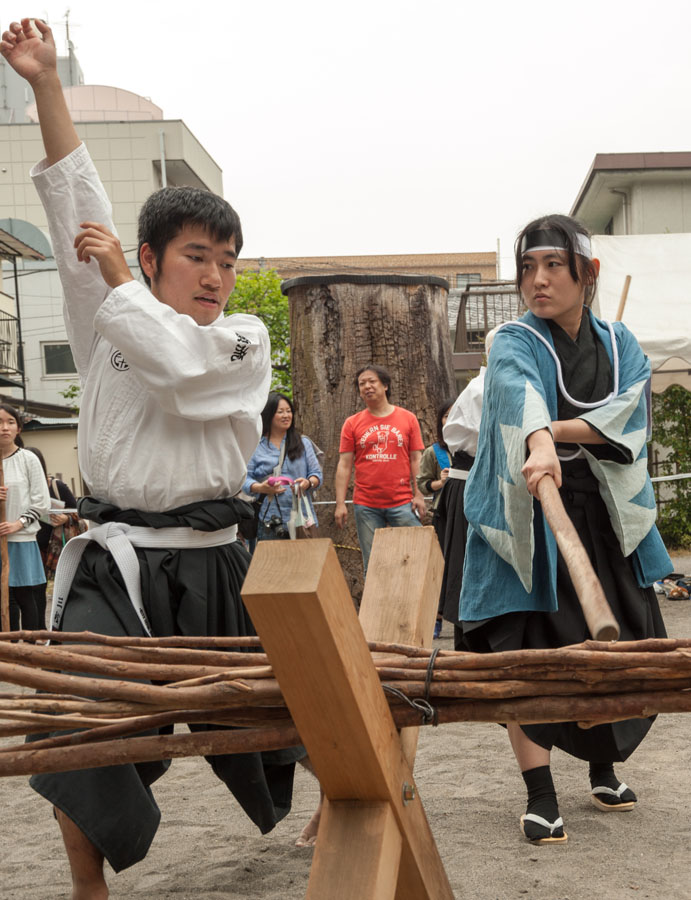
(282,451)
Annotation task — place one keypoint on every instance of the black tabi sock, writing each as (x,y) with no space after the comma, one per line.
(602,775)
(542,798)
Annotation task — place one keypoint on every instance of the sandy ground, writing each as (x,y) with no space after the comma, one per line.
(473,795)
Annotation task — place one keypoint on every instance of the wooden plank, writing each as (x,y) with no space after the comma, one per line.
(365,831)
(401,595)
(300,605)
(399,604)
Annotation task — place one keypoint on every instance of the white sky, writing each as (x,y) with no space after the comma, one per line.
(390,126)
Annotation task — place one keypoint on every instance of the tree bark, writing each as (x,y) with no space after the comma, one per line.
(340,323)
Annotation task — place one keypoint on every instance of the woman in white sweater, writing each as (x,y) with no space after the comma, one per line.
(27,498)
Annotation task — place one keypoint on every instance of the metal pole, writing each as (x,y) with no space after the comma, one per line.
(20,345)
(162,145)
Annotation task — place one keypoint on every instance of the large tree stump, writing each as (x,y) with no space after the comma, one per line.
(339,323)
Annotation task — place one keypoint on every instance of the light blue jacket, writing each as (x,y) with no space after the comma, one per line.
(262,463)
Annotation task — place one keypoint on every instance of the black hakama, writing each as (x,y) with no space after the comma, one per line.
(453,526)
(185,592)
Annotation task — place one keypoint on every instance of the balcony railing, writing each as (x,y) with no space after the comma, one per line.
(482,307)
(9,355)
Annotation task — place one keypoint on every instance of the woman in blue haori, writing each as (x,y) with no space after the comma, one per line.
(565,396)
(282,450)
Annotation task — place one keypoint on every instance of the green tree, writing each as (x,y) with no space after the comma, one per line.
(72,394)
(259,293)
(672,431)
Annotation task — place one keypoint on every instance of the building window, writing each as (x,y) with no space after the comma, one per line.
(57,359)
(463,279)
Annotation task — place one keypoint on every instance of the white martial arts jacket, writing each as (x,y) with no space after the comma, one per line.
(170,410)
(463,422)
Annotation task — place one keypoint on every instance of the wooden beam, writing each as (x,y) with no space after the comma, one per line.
(401,595)
(369,833)
(299,602)
(399,605)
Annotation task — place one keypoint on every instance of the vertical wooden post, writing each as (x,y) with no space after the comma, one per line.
(399,604)
(622,300)
(401,595)
(296,594)
(369,831)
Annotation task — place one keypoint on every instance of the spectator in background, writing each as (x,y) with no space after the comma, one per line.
(51,536)
(282,450)
(460,433)
(26,499)
(385,443)
(434,470)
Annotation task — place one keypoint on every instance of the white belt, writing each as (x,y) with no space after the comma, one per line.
(120,540)
(460,474)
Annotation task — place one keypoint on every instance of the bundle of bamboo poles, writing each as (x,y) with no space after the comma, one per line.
(100,696)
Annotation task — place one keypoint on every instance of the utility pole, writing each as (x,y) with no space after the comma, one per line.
(70,48)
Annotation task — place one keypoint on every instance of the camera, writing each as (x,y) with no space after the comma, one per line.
(276,526)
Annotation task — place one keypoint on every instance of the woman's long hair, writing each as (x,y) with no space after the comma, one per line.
(294,446)
(41,459)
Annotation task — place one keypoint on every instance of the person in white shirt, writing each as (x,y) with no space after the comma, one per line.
(26,499)
(170,414)
(460,433)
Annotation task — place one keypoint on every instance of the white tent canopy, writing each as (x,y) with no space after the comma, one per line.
(658,307)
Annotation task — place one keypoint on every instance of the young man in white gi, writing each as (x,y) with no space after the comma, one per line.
(172,392)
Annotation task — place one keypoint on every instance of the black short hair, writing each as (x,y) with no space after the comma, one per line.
(442,409)
(294,446)
(581,268)
(381,374)
(166,212)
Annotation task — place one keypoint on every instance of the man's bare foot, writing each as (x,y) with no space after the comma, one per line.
(86,862)
(308,835)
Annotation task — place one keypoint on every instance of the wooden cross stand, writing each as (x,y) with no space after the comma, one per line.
(374,841)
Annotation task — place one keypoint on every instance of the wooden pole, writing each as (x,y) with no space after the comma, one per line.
(298,600)
(622,299)
(163,746)
(598,615)
(4,558)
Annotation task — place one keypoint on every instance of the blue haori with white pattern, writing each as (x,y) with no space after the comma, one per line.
(511,555)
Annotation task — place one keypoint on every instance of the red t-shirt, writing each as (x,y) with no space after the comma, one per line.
(382,447)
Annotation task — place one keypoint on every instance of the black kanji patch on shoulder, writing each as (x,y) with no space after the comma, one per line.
(117,361)
(241,348)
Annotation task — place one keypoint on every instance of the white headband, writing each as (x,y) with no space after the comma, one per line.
(550,239)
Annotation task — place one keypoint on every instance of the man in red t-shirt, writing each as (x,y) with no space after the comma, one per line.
(386,444)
